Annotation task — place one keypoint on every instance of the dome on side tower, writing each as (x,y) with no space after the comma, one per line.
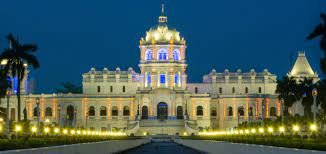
(161,34)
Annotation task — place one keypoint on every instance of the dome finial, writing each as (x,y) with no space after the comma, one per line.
(163,18)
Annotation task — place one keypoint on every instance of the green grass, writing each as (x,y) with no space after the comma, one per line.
(25,142)
(289,141)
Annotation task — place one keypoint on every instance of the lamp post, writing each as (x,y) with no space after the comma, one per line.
(314,94)
(38,112)
(7,110)
(59,115)
(86,119)
(282,109)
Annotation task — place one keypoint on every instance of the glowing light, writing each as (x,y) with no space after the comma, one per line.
(270,129)
(253,130)
(296,128)
(313,127)
(46,130)
(281,129)
(65,131)
(56,130)
(247,131)
(47,120)
(144,133)
(72,132)
(18,128)
(185,133)
(34,129)
(1,119)
(1,128)
(241,131)
(84,132)
(261,130)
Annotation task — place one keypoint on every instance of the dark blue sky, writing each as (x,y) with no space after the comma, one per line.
(75,35)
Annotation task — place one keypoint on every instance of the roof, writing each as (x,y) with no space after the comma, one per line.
(302,67)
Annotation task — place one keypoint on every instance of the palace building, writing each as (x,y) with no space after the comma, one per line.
(158,99)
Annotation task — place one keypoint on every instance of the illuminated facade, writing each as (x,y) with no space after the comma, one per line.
(159,99)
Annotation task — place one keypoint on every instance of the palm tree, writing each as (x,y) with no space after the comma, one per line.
(289,90)
(17,56)
(320,31)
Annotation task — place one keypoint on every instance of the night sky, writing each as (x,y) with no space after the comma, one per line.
(75,35)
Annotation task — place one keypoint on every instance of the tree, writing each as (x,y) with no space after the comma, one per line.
(4,83)
(68,87)
(320,31)
(289,90)
(18,57)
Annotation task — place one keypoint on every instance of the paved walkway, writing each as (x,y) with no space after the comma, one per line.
(162,148)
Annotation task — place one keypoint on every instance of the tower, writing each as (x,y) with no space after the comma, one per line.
(163,59)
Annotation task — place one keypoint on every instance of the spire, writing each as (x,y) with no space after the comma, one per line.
(163,18)
(302,66)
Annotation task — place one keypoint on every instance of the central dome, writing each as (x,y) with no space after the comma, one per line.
(161,34)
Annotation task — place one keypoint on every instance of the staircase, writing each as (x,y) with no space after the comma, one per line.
(168,127)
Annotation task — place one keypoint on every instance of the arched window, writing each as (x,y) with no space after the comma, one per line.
(126,111)
(149,79)
(162,78)
(91,111)
(176,55)
(35,114)
(115,111)
(103,111)
(148,55)
(13,114)
(176,79)
(98,89)
(144,112)
(233,90)
(246,91)
(213,111)
(162,54)
(179,112)
(259,90)
(123,89)
(272,111)
(111,89)
(241,111)
(251,111)
(196,90)
(230,111)
(200,111)
(48,112)
(220,90)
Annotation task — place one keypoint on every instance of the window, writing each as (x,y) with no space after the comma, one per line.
(251,111)
(162,54)
(230,111)
(233,90)
(246,91)
(240,111)
(126,111)
(114,111)
(162,78)
(221,90)
(259,90)
(103,111)
(48,112)
(35,112)
(176,55)
(123,89)
(272,111)
(200,111)
(213,111)
(176,79)
(111,89)
(91,111)
(149,79)
(196,90)
(98,89)
(148,55)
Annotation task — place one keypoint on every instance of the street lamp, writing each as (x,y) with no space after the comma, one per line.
(59,115)
(7,117)
(38,112)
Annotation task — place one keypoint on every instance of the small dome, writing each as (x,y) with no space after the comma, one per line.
(162,34)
